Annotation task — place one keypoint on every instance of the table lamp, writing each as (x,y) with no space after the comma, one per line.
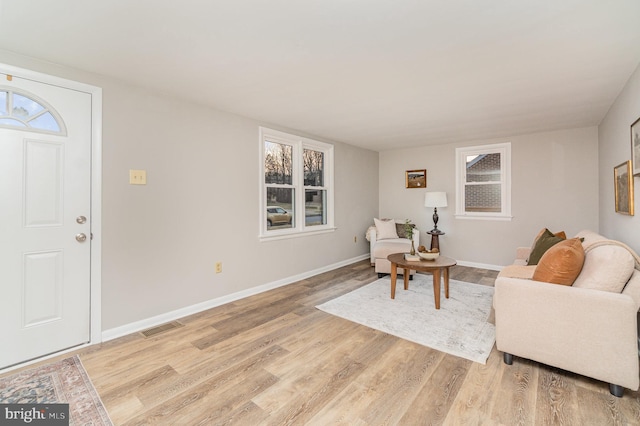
(435,200)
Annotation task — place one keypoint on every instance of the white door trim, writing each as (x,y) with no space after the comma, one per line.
(96,188)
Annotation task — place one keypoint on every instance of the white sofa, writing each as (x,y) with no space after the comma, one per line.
(589,328)
(381,248)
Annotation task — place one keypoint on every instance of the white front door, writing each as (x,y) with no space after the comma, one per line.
(45,210)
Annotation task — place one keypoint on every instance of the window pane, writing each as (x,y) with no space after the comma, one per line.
(483,168)
(278,166)
(315,209)
(483,198)
(280,212)
(3,103)
(11,122)
(25,107)
(313,168)
(45,122)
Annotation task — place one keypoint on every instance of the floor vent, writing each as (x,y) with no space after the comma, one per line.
(154,331)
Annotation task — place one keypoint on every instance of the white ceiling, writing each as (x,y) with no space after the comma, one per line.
(380,74)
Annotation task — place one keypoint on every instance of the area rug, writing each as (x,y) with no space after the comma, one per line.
(64,382)
(459,327)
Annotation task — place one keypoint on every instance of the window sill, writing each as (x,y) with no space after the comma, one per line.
(483,217)
(326,230)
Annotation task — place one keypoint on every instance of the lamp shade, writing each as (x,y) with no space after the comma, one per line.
(435,199)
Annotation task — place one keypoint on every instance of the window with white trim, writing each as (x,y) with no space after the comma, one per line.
(483,182)
(296,185)
(26,111)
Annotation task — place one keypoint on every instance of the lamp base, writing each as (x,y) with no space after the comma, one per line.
(435,220)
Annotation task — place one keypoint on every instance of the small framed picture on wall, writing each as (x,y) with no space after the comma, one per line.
(635,147)
(623,180)
(416,178)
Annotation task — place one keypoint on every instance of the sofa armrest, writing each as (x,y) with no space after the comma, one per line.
(589,332)
(372,242)
(522,253)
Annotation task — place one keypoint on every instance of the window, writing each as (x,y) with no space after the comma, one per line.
(483,182)
(296,185)
(26,112)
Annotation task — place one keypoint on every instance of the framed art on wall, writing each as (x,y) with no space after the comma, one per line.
(416,178)
(635,147)
(623,180)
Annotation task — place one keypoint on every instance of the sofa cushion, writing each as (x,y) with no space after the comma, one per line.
(518,271)
(590,237)
(542,244)
(632,289)
(385,229)
(384,248)
(561,264)
(607,267)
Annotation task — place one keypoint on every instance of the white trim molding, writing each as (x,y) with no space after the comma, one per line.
(137,326)
(295,182)
(96,188)
(503,179)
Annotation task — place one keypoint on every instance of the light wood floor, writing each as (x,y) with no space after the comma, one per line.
(274,359)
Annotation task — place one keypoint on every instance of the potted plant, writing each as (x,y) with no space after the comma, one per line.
(408,233)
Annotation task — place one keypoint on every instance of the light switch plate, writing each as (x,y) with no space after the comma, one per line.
(137,177)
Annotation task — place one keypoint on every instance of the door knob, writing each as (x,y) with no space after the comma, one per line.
(81,219)
(81,238)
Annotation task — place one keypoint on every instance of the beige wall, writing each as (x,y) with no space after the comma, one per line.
(614,135)
(161,241)
(554,185)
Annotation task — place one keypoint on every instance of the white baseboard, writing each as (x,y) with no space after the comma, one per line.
(480,265)
(134,327)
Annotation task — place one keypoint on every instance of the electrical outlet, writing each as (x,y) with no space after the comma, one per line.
(218,267)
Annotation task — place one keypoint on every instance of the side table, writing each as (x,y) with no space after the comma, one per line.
(435,238)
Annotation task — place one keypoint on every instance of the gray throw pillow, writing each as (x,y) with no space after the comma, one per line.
(544,243)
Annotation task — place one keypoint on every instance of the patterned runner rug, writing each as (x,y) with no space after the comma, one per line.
(459,327)
(64,381)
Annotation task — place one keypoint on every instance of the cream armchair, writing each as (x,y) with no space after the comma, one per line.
(380,248)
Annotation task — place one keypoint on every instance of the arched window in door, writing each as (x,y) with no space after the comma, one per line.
(26,111)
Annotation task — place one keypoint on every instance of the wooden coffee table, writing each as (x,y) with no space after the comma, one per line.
(441,264)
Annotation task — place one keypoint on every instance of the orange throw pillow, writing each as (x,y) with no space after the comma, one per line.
(561,264)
